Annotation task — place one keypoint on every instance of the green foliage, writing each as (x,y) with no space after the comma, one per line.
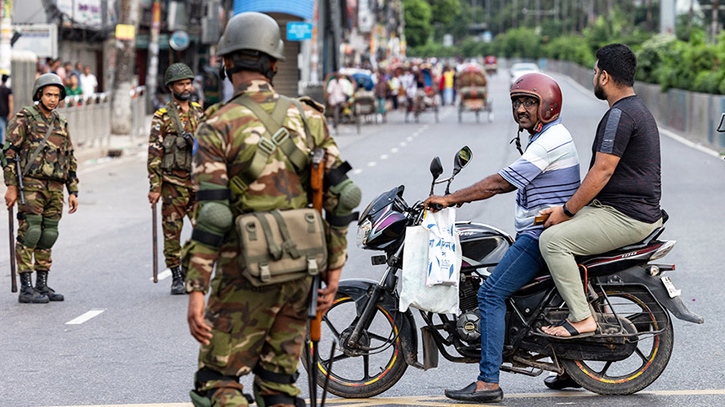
(571,48)
(418,26)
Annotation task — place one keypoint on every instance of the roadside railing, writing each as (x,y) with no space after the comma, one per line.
(89,117)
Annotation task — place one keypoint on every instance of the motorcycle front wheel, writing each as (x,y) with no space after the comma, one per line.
(649,359)
(368,368)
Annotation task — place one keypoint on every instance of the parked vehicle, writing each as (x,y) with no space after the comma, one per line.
(491,65)
(473,92)
(520,69)
(632,296)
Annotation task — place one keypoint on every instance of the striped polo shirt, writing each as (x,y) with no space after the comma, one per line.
(546,175)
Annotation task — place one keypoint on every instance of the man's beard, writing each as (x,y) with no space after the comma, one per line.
(599,91)
(182,96)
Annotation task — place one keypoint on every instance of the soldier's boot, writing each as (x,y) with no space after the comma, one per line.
(41,286)
(28,295)
(177,281)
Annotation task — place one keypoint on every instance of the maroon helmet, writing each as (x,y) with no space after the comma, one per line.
(545,89)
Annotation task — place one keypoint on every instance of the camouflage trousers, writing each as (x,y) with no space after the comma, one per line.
(261,327)
(178,201)
(47,202)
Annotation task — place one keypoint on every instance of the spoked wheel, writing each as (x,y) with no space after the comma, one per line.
(370,367)
(435,111)
(650,357)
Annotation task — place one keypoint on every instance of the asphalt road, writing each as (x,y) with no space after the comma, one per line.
(135,349)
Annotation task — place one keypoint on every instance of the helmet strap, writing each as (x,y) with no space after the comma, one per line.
(517,139)
(46,108)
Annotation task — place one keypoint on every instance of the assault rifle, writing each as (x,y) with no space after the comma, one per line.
(11,230)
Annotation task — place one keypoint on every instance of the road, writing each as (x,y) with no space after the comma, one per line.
(135,348)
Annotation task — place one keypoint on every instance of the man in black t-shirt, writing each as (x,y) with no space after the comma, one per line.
(618,203)
(6,106)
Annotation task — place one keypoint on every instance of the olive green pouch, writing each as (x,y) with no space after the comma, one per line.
(280,246)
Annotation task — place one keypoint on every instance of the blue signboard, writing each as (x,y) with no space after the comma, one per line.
(299,8)
(297,31)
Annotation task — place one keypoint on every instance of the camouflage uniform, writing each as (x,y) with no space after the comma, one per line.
(174,184)
(262,327)
(43,183)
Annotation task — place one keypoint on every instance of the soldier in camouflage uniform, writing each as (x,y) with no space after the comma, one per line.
(248,329)
(169,164)
(39,141)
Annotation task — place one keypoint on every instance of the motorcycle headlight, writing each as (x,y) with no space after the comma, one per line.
(363,231)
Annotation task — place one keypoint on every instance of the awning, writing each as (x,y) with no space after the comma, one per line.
(299,8)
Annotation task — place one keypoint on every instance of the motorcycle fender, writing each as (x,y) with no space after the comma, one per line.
(359,289)
(674,305)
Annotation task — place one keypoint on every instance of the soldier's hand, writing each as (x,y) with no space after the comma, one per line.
(154,197)
(326,296)
(11,195)
(72,203)
(195,317)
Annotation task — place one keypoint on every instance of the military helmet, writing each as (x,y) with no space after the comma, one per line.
(254,32)
(545,89)
(177,72)
(48,79)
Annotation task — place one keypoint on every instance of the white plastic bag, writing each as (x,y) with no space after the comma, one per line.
(441,299)
(444,251)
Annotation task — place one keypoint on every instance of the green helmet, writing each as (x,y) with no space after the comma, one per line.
(177,72)
(252,31)
(48,79)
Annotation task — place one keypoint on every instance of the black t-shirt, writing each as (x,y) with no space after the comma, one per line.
(629,131)
(5,92)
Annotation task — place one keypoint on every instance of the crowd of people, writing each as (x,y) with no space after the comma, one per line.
(78,79)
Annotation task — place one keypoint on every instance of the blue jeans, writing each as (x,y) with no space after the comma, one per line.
(521,263)
(3,127)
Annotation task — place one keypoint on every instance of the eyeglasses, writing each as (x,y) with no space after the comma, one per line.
(528,103)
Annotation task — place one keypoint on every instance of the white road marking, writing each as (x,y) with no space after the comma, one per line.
(411,138)
(163,275)
(85,317)
(357,171)
(384,157)
(394,150)
(372,164)
(403,144)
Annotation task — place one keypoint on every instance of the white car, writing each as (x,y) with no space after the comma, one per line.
(522,68)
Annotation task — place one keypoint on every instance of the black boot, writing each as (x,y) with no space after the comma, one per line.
(28,295)
(177,281)
(41,286)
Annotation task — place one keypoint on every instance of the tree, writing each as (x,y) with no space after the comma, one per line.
(418,26)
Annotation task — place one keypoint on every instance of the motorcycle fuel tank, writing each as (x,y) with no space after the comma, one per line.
(482,245)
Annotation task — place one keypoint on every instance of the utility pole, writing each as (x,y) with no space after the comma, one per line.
(153,69)
(125,61)
(6,33)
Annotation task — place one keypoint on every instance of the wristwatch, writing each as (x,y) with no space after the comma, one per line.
(567,212)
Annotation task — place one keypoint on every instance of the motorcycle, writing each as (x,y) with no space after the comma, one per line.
(631,296)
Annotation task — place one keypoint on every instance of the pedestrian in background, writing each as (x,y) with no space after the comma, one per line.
(44,175)
(173,130)
(89,82)
(6,106)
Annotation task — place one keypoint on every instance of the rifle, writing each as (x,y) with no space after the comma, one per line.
(317,176)
(154,233)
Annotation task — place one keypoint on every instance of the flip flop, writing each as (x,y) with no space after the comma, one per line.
(572,331)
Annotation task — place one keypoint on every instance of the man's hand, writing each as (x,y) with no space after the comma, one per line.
(11,195)
(154,197)
(195,317)
(72,203)
(434,201)
(326,296)
(556,216)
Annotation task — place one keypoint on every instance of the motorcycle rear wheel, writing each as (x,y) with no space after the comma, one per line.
(367,370)
(649,359)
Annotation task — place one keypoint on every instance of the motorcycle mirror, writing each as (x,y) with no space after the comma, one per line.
(462,159)
(436,168)
(721,126)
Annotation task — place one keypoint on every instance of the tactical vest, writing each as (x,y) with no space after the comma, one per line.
(177,150)
(53,157)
